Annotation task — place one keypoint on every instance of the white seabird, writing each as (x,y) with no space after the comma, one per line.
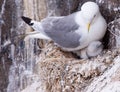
(73,32)
(93,49)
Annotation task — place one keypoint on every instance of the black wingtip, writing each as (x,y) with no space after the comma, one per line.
(26,20)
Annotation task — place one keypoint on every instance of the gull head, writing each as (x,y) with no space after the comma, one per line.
(89,10)
(94,48)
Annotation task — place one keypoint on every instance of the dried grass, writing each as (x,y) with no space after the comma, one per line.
(60,71)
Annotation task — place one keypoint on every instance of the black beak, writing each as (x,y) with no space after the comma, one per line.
(27,20)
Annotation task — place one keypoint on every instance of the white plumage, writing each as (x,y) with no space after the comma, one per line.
(73,32)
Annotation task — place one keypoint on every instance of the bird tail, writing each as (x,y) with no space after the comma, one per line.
(27,20)
(38,30)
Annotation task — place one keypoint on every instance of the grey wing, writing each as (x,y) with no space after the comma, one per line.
(62,31)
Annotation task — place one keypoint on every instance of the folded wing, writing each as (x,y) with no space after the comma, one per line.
(62,30)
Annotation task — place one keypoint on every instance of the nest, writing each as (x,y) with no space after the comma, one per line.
(60,71)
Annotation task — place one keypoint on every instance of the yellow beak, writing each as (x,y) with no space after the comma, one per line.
(88,26)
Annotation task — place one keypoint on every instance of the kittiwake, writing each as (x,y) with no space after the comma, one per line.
(93,49)
(73,32)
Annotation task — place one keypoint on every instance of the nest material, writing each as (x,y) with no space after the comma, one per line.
(61,72)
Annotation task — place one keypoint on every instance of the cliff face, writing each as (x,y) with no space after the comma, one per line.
(23,67)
